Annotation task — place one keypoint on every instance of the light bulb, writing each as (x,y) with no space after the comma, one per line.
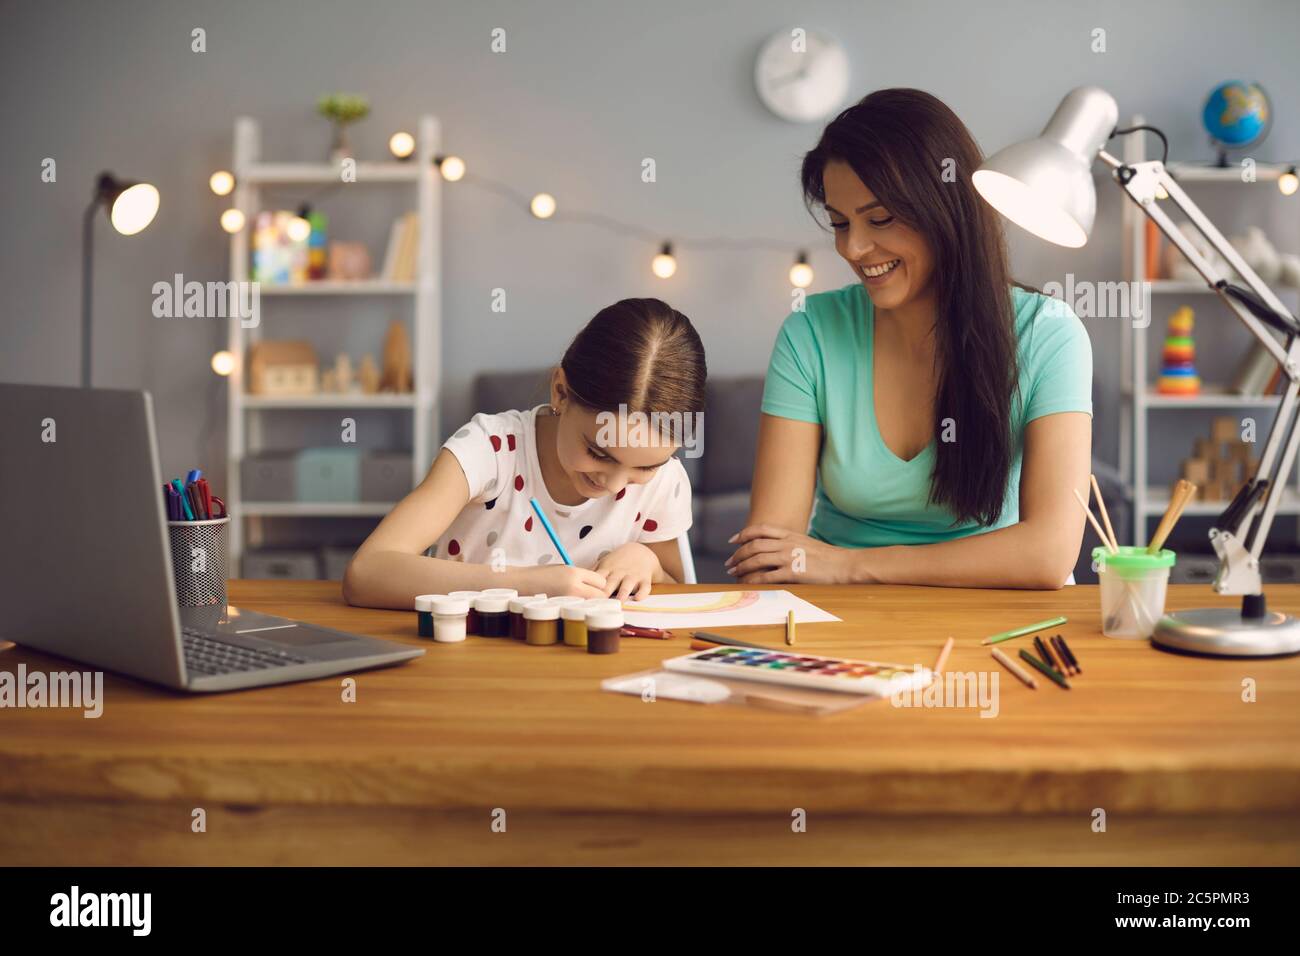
(221,182)
(134,208)
(801,273)
(1288,182)
(232,220)
(299,229)
(543,206)
(401,144)
(664,264)
(451,167)
(223,362)
(1161,192)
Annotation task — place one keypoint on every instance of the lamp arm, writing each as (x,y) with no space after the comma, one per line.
(1237,545)
(87,284)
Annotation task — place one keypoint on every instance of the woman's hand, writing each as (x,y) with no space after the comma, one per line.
(560,579)
(771,555)
(628,571)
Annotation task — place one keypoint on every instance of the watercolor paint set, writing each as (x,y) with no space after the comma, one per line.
(841,675)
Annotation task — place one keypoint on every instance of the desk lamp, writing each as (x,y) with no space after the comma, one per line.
(1045,186)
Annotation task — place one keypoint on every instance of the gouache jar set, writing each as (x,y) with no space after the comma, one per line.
(534,619)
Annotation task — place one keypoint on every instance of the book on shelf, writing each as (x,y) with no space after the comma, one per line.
(403,246)
(1254,373)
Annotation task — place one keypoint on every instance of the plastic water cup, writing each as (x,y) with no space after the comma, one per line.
(1133,588)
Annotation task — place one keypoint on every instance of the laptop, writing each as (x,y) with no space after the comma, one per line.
(85,565)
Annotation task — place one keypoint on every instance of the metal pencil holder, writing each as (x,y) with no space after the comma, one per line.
(199,561)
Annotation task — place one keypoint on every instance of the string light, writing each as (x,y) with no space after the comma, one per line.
(223,362)
(664,264)
(801,273)
(299,227)
(542,205)
(232,220)
(1288,182)
(451,167)
(221,182)
(401,144)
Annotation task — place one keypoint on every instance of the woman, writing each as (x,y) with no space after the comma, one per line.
(936,414)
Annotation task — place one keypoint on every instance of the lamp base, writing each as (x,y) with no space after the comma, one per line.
(1223,631)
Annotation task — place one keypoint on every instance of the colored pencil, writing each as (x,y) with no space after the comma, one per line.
(1015,668)
(729,641)
(1022,631)
(943,655)
(1069,653)
(555,539)
(631,630)
(789,627)
(1047,671)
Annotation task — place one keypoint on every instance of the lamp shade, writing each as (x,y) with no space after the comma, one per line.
(1044,185)
(131,206)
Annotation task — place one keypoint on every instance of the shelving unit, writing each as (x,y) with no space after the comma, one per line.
(1139,394)
(245,426)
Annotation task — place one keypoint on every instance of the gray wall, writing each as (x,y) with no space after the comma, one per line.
(585,91)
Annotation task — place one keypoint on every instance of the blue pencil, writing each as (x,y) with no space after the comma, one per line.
(555,539)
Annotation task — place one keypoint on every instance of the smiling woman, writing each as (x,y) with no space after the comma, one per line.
(926,424)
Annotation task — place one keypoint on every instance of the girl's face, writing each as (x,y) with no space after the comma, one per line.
(891,259)
(599,454)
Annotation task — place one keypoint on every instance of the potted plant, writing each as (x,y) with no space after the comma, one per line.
(342,109)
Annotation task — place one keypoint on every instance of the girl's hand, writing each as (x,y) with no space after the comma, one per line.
(772,555)
(629,571)
(560,579)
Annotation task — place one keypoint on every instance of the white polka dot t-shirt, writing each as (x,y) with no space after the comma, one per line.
(498,454)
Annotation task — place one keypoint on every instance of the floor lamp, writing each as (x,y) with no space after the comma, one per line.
(1045,186)
(131,207)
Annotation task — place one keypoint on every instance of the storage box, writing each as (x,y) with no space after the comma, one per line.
(385,475)
(269,476)
(282,564)
(329,474)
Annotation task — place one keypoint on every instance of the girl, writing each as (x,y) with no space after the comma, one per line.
(606,478)
(936,414)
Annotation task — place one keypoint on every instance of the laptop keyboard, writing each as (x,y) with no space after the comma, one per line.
(205,655)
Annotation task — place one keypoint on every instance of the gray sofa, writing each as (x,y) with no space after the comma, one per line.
(721,476)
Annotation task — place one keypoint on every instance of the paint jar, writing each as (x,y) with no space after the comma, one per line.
(573,623)
(450,616)
(493,615)
(603,631)
(1133,587)
(472,623)
(424,613)
(506,593)
(516,607)
(542,623)
(566,601)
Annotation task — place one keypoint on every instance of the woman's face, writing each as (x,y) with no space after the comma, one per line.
(891,259)
(599,454)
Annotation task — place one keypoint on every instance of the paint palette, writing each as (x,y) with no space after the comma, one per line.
(801,670)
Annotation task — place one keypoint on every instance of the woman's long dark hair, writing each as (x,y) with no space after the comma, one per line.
(917,157)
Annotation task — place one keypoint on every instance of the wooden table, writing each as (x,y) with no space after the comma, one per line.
(435,755)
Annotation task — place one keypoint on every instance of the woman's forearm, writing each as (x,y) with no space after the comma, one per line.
(392,578)
(1023,555)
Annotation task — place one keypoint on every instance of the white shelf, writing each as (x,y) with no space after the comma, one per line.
(332,400)
(289,174)
(1157,500)
(341,287)
(314,509)
(1200,173)
(1210,399)
(256,185)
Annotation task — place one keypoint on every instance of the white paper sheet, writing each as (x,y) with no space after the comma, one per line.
(721,609)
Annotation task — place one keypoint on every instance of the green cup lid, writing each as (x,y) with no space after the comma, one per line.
(1133,558)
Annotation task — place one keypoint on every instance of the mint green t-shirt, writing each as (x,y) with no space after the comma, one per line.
(821,372)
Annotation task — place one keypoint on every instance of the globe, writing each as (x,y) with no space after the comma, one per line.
(1236,114)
